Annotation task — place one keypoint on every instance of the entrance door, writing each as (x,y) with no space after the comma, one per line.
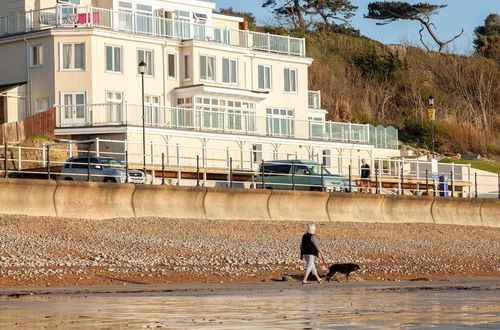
(74,109)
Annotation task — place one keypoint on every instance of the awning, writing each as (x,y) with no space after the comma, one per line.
(241,94)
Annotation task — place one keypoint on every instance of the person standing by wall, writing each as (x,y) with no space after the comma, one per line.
(365,177)
(309,251)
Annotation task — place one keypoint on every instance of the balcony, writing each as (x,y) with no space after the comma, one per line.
(234,121)
(91,17)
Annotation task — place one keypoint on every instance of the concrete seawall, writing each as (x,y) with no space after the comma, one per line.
(104,201)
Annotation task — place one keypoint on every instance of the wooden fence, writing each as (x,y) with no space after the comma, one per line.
(42,123)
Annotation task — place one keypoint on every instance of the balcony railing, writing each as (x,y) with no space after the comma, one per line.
(241,121)
(75,16)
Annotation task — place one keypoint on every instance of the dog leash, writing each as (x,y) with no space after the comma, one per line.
(324,262)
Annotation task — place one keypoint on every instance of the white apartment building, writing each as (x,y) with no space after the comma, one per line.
(210,85)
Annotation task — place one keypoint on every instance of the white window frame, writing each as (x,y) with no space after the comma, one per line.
(72,62)
(113,47)
(148,65)
(214,69)
(114,107)
(39,52)
(291,91)
(170,77)
(281,117)
(230,82)
(152,110)
(269,82)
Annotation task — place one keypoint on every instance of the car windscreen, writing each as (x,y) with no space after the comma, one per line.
(111,162)
(316,169)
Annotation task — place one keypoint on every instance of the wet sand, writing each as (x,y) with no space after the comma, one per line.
(365,304)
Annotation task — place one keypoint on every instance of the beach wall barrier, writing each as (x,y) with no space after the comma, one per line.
(29,197)
(237,204)
(298,205)
(90,200)
(457,211)
(169,202)
(404,209)
(355,207)
(93,200)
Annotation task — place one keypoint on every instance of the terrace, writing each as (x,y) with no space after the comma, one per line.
(236,119)
(66,16)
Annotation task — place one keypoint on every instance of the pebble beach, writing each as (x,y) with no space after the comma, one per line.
(45,252)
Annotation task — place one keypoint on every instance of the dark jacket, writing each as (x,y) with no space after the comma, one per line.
(365,171)
(309,245)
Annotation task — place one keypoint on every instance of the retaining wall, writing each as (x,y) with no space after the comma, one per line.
(104,200)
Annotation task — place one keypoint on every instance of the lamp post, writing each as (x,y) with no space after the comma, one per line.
(142,70)
(432,116)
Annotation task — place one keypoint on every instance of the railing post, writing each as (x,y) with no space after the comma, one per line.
(293,175)
(322,179)
(350,179)
(153,172)
(231,172)
(126,166)
(5,164)
(427,182)
(48,162)
(262,174)
(197,170)
(19,158)
(97,149)
(162,168)
(418,177)
(475,183)
(452,185)
(44,155)
(227,156)
(178,155)
(402,178)
(88,164)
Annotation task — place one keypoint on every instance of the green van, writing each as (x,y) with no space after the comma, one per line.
(297,175)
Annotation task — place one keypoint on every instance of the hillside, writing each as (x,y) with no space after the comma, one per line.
(364,81)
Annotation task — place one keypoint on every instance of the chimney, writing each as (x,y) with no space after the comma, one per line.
(244,25)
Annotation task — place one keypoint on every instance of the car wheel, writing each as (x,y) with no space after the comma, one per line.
(110,180)
(68,179)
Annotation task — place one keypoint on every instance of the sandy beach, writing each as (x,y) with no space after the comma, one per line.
(51,252)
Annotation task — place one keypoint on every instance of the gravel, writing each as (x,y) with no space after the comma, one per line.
(43,251)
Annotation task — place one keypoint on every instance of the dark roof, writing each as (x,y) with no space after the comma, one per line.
(6,87)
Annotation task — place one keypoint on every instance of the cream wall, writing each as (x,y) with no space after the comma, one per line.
(42,77)
(13,63)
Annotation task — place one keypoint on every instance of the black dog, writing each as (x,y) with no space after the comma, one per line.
(341,268)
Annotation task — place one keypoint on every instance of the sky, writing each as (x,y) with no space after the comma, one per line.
(466,14)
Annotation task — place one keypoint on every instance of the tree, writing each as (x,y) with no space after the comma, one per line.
(487,41)
(248,16)
(321,15)
(390,11)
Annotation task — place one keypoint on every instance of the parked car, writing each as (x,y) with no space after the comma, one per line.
(298,174)
(345,181)
(101,169)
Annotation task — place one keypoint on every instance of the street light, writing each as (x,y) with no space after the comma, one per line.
(142,71)
(432,116)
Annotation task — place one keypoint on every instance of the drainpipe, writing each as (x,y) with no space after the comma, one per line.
(28,74)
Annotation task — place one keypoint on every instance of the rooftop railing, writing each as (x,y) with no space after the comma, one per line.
(133,23)
(241,121)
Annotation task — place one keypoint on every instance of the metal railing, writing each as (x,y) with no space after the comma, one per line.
(76,16)
(232,121)
(245,167)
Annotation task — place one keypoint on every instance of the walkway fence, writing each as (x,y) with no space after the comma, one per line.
(176,164)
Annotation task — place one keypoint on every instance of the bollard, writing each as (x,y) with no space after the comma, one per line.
(475,183)
(231,172)
(293,176)
(162,168)
(427,182)
(350,179)
(48,162)
(197,170)
(262,174)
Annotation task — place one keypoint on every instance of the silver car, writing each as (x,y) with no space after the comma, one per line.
(100,169)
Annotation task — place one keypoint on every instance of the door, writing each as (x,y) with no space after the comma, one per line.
(73,109)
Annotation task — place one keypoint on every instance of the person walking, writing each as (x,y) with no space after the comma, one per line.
(365,177)
(309,251)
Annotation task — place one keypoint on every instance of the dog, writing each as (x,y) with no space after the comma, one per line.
(341,268)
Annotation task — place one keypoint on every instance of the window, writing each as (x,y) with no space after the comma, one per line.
(113,59)
(290,80)
(229,71)
(327,158)
(183,16)
(75,110)
(222,36)
(316,127)
(280,122)
(153,112)
(147,57)
(144,19)
(114,107)
(187,74)
(42,104)
(36,55)
(264,77)
(207,68)
(171,66)
(257,153)
(73,56)
(125,16)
